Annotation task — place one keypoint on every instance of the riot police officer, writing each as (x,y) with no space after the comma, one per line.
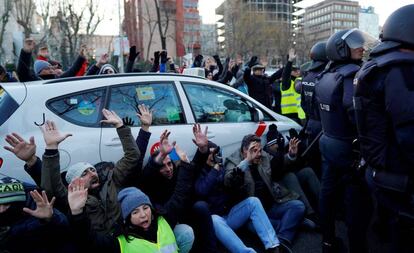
(313,125)
(334,93)
(384,105)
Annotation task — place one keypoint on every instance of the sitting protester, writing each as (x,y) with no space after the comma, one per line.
(230,211)
(292,175)
(102,208)
(28,221)
(43,69)
(144,227)
(252,169)
(160,178)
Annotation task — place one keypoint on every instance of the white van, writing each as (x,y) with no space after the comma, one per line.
(75,104)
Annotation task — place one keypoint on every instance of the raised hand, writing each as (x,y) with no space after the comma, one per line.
(254,151)
(292,54)
(52,135)
(44,208)
(111,118)
(25,151)
(133,54)
(200,138)
(182,154)
(145,116)
(29,45)
(293,146)
(127,121)
(165,146)
(103,60)
(77,196)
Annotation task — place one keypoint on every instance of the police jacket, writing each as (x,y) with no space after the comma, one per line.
(334,93)
(384,104)
(308,101)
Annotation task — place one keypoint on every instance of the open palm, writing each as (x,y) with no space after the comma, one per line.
(77,196)
(52,135)
(22,149)
(44,208)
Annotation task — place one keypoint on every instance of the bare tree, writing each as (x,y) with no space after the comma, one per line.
(167,7)
(23,13)
(94,17)
(4,19)
(44,7)
(152,25)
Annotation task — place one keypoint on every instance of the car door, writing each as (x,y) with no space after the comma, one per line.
(228,115)
(162,98)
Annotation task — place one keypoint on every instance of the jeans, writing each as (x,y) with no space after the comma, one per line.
(249,209)
(286,217)
(304,180)
(184,236)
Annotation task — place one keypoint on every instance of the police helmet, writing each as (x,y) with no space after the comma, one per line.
(398,29)
(318,55)
(339,44)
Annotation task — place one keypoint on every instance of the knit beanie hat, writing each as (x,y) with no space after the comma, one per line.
(272,135)
(76,170)
(11,190)
(39,65)
(131,198)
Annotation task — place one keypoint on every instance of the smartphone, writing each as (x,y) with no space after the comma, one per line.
(218,157)
(174,156)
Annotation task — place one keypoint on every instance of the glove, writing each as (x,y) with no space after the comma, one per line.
(128,121)
(252,62)
(216,58)
(133,54)
(163,55)
(198,61)
(157,57)
(237,178)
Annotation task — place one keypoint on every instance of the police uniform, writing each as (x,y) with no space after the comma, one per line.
(384,103)
(334,93)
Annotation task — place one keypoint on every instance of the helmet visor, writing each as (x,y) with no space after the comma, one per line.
(356,38)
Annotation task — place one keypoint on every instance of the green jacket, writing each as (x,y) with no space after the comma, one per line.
(279,193)
(102,207)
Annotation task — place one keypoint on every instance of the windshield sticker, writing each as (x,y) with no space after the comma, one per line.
(86,108)
(172,114)
(73,101)
(2,94)
(145,93)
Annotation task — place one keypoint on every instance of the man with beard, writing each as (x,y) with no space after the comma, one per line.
(43,69)
(101,207)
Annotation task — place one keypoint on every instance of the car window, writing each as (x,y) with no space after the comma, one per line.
(7,105)
(161,97)
(81,108)
(211,104)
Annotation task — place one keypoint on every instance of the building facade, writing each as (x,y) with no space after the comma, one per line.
(208,39)
(180,21)
(324,19)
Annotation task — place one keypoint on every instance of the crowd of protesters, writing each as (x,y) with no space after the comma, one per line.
(268,188)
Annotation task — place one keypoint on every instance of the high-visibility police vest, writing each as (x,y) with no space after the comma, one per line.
(290,102)
(165,241)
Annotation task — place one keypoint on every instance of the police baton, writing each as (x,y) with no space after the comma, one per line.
(312,143)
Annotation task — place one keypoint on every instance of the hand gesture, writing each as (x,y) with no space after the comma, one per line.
(254,151)
(29,45)
(293,146)
(111,118)
(200,138)
(145,116)
(25,151)
(44,208)
(52,135)
(127,121)
(181,153)
(292,55)
(165,146)
(103,60)
(83,51)
(133,54)
(77,195)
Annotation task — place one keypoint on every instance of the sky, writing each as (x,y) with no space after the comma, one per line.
(382,7)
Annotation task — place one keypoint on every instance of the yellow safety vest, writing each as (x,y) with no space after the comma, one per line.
(288,103)
(165,241)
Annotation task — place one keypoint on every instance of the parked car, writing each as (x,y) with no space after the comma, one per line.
(75,104)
